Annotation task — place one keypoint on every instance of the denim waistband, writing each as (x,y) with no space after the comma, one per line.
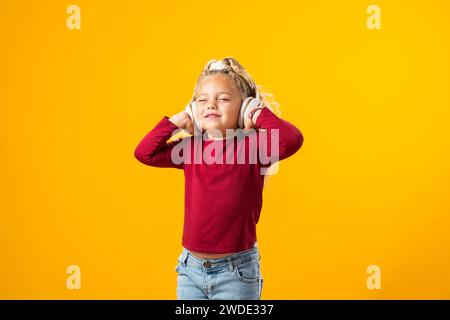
(213,264)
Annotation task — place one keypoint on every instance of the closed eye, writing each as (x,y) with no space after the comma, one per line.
(219,99)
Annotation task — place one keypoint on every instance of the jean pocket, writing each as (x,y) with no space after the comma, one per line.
(248,271)
(179,263)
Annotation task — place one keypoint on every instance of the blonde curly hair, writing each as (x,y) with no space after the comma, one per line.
(241,78)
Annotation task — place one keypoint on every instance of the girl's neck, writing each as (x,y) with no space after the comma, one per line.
(229,137)
(225,137)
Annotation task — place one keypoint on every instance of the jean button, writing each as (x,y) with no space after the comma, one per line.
(207,264)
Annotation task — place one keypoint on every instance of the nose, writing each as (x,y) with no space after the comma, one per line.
(212,105)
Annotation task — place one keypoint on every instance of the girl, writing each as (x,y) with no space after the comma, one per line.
(223,199)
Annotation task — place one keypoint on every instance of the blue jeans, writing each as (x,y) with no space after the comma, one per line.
(236,276)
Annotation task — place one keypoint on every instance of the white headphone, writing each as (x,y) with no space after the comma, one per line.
(246,106)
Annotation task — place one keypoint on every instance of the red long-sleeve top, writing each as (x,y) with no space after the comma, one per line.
(223,178)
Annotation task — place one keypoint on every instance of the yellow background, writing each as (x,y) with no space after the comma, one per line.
(370,186)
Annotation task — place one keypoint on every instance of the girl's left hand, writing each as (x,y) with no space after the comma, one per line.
(248,123)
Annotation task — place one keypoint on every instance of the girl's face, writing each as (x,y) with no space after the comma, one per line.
(218,103)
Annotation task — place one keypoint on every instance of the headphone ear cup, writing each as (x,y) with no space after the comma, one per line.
(247,104)
(242,110)
(191,109)
(194,112)
(188,109)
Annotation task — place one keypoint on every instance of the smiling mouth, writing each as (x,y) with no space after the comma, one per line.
(212,117)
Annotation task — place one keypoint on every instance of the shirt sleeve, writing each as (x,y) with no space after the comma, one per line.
(155,151)
(289,137)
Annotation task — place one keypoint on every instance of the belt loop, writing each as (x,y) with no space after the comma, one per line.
(255,245)
(230,263)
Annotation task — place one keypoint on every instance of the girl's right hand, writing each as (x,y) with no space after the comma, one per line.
(183,121)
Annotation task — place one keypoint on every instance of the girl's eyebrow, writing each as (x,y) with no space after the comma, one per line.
(203,93)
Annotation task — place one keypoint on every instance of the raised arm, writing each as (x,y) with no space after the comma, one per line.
(154,150)
(290,139)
